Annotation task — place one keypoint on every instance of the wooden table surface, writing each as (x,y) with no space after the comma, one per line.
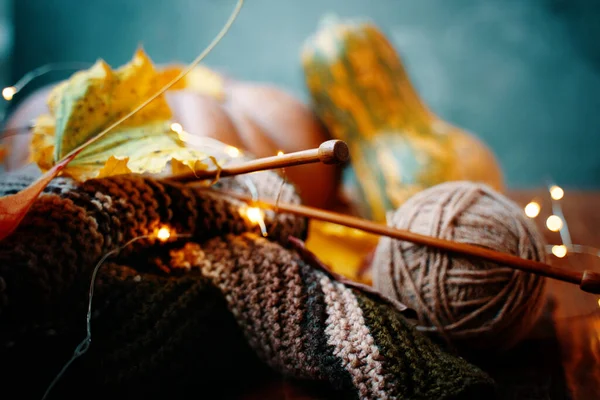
(561,357)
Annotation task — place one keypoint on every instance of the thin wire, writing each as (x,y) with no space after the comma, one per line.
(183,73)
(83,347)
(85,344)
(251,188)
(36,73)
(278,198)
(577,249)
(18,130)
(283,182)
(44,69)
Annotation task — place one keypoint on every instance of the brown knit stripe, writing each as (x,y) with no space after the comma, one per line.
(125,206)
(354,345)
(159,194)
(294,297)
(243,284)
(101,208)
(140,204)
(183,207)
(43,258)
(262,286)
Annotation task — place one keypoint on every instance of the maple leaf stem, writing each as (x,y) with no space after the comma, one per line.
(179,77)
(13,208)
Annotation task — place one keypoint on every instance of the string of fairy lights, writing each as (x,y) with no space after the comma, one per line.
(254,215)
(556,222)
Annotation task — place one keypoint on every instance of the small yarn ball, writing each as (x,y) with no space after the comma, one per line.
(472,303)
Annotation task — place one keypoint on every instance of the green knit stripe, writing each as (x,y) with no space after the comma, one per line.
(314,325)
(422,369)
(152,329)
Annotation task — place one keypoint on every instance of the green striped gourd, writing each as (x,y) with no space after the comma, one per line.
(363,95)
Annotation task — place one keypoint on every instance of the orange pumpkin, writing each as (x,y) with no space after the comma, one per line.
(262,120)
(259,119)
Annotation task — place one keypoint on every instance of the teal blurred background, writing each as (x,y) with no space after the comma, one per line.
(524,75)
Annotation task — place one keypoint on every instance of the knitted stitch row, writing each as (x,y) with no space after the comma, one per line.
(177,318)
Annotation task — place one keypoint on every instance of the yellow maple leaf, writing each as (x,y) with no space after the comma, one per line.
(92,100)
(180,167)
(115,166)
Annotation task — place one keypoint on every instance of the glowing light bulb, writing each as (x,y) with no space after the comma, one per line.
(532,209)
(163,234)
(280,153)
(9,92)
(177,128)
(232,151)
(559,251)
(556,192)
(554,223)
(598,302)
(256,216)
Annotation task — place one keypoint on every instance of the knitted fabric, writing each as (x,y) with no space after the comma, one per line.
(185,316)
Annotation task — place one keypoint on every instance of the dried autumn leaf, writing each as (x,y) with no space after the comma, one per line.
(13,208)
(41,148)
(180,167)
(115,166)
(92,100)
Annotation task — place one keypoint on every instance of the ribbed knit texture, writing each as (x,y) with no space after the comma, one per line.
(180,319)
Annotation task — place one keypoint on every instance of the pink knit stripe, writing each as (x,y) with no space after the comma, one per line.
(352,341)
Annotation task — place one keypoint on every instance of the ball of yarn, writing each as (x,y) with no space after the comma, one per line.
(473,303)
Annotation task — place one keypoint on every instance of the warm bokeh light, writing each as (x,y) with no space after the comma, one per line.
(559,251)
(554,223)
(177,128)
(9,92)
(256,216)
(556,192)
(163,234)
(232,151)
(280,153)
(532,209)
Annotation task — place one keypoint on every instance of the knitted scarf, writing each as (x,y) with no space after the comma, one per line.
(195,316)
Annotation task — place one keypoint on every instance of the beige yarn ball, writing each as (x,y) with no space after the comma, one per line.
(475,304)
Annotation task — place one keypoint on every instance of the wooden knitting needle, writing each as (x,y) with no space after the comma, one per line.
(588,281)
(329,152)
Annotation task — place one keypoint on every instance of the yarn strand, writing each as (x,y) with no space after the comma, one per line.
(84,345)
(159,93)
